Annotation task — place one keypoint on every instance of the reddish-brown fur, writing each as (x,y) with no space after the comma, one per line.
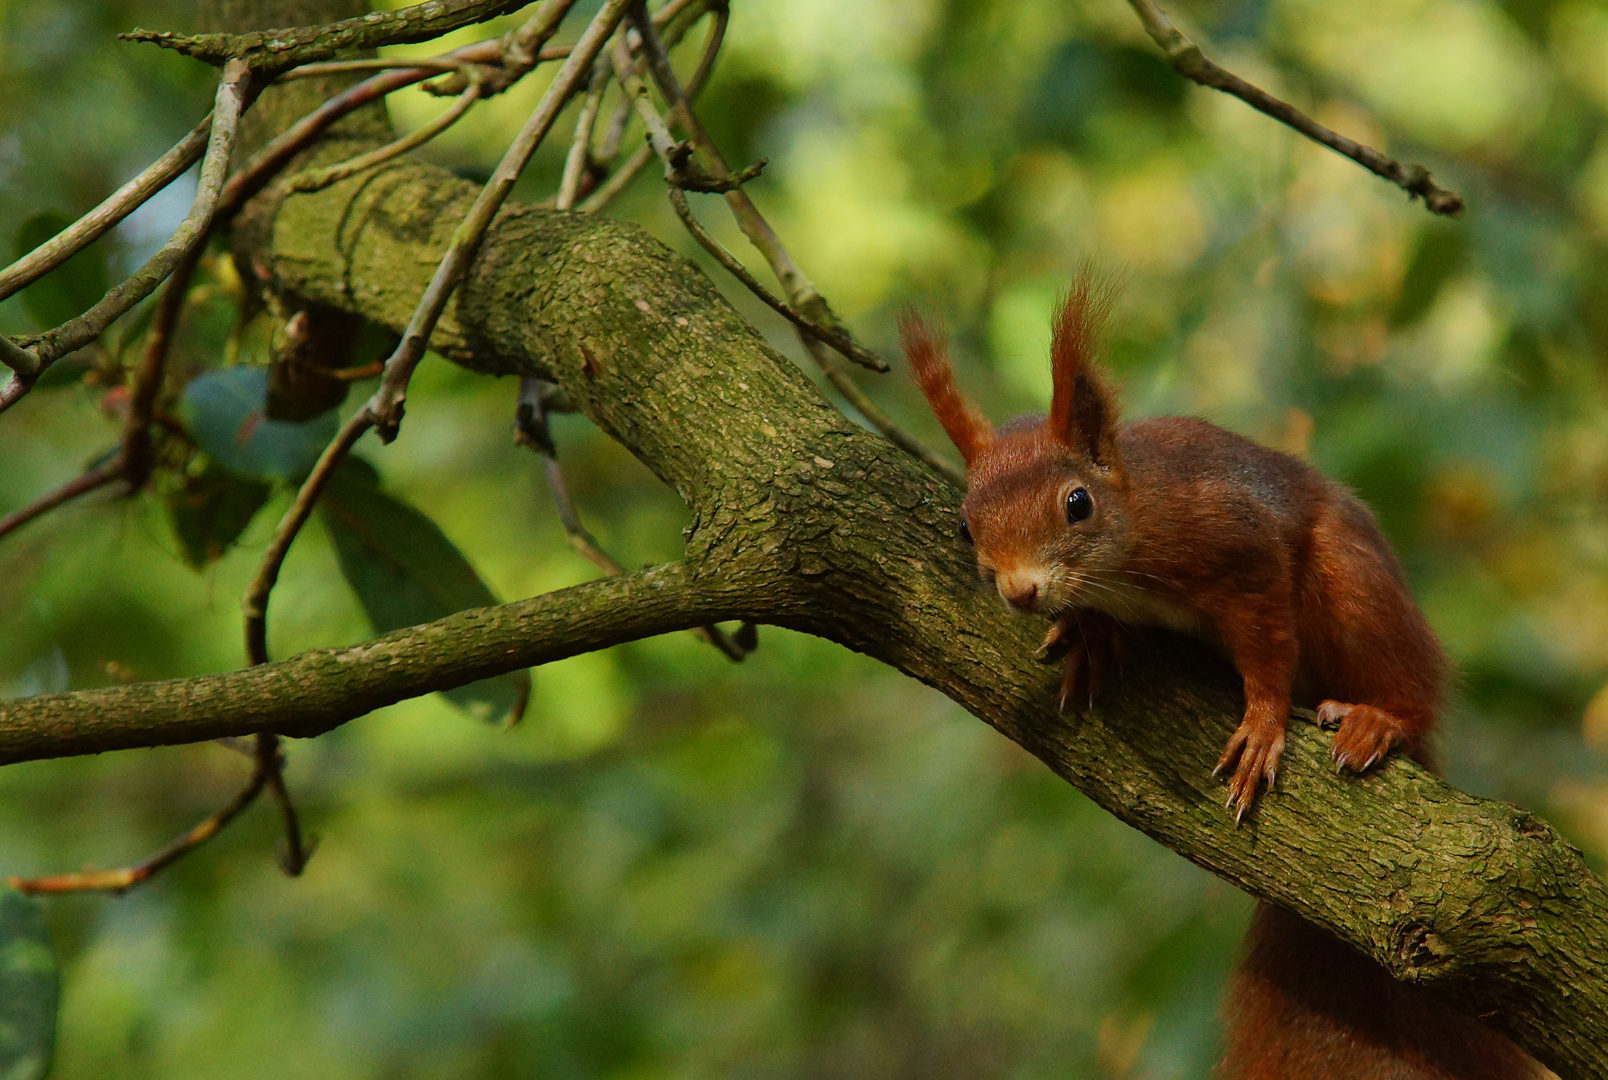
(929,361)
(1193,527)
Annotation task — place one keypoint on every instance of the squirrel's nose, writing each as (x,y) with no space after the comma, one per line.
(1019,594)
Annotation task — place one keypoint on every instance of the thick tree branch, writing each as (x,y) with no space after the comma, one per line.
(316,691)
(1478,899)
(803,519)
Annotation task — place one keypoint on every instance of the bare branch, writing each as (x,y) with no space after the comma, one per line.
(442,64)
(660,140)
(266,772)
(521,50)
(272,51)
(117,881)
(1187,59)
(675,28)
(616,183)
(267,162)
(91,480)
(314,179)
(530,423)
(23,362)
(254,605)
(233,89)
(322,689)
(387,404)
(116,206)
(135,458)
(835,338)
(800,291)
(270,759)
(579,161)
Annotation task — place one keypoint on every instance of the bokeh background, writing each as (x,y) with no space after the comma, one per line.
(808,865)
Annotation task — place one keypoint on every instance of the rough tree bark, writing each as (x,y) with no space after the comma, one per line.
(802,519)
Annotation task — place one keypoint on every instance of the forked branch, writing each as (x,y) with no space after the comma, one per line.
(234,90)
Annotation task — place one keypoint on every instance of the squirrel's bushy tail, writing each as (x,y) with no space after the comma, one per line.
(1305,1006)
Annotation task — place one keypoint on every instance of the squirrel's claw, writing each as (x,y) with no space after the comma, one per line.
(1054,635)
(1253,752)
(1367,734)
(1096,647)
(1069,677)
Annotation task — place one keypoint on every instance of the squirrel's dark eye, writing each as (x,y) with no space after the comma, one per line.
(1078,506)
(965,532)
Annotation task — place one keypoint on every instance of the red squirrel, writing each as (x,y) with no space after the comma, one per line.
(1178,523)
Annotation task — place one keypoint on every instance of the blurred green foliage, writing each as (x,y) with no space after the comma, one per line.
(808,865)
(29,987)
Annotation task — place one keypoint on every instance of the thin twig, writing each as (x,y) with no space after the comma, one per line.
(116,881)
(15,387)
(531,428)
(1187,59)
(579,161)
(807,303)
(636,93)
(267,162)
(614,134)
(616,182)
(233,90)
(663,16)
(835,338)
(98,477)
(344,67)
(387,404)
(24,363)
(315,179)
(254,605)
(706,62)
(135,457)
(800,291)
(27,363)
(521,49)
(297,850)
(113,209)
(530,424)
(874,415)
(351,374)
(606,191)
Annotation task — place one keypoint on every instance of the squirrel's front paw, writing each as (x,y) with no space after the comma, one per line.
(1257,745)
(1094,645)
(1367,733)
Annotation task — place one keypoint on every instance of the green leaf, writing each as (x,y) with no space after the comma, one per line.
(405,571)
(1442,251)
(224,412)
(67,291)
(210,511)
(29,988)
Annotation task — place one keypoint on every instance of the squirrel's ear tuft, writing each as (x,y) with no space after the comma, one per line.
(1083,413)
(928,356)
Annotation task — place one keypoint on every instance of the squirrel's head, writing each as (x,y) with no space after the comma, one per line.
(1046,500)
